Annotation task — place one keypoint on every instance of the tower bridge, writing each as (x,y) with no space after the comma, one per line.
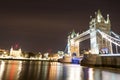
(100,35)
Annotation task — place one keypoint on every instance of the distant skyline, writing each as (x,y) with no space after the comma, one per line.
(44,26)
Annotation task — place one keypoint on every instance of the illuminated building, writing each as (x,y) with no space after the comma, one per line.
(3,52)
(15,51)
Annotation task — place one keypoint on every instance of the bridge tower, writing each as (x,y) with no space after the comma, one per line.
(73,46)
(97,42)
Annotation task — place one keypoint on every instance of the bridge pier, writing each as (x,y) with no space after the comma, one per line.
(101,60)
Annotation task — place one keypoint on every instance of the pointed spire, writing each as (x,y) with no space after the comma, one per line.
(99,16)
(73,34)
(73,31)
(99,12)
(108,19)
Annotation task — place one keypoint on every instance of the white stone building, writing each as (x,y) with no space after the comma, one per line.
(15,52)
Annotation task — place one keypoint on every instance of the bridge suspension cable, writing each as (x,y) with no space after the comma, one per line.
(116,35)
(66,48)
(115,41)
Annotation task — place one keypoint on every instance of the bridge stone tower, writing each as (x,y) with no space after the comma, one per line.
(97,42)
(73,46)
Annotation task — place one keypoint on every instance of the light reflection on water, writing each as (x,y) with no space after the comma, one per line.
(2,69)
(40,70)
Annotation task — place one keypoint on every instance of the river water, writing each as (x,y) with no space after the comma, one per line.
(42,70)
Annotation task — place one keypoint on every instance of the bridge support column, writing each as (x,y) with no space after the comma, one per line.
(93,42)
(74,48)
(77,48)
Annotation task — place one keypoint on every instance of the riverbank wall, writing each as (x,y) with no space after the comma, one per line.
(101,60)
(28,59)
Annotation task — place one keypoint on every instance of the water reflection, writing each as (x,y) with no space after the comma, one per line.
(91,73)
(8,70)
(2,65)
(71,72)
(40,70)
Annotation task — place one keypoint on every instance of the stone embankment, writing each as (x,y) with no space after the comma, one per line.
(101,60)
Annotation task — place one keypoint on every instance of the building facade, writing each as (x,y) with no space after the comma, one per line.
(15,52)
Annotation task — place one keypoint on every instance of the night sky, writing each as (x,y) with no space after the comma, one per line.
(44,26)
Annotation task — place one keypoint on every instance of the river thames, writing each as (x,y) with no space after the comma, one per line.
(43,70)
